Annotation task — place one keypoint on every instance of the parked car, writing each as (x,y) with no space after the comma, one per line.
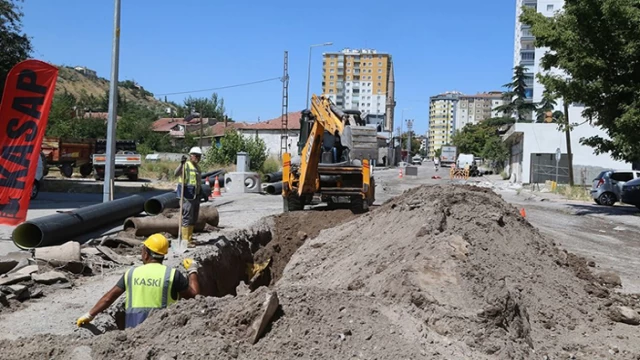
(631,193)
(40,173)
(607,186)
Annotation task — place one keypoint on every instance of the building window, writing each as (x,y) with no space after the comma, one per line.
(550,7)
(331,63)
(331,77)
(331,83)
(369,78)
(331,70)
(348,78)
(330,91)
(379,70)
(379,84)
(379,63)
(379,77)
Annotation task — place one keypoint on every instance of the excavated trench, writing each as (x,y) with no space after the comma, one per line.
(231,258)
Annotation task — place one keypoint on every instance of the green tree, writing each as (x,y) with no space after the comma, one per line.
(438,152)
(545,106)
(482,140)
(15,45)
(516,97)
(212,107)
(233,142)
(596,43)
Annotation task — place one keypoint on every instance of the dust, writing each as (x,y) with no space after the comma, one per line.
(440,272)
(291,230)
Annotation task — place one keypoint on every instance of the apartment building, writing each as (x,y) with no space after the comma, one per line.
(472,109)
(442,115)
(361,79)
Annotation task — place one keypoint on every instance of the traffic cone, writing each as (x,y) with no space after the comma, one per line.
(400,174)
(523,213)
(216,188)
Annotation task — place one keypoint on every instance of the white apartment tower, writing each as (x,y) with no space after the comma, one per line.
(362,80)
(525,53)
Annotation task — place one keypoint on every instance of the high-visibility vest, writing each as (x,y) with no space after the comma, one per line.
(191,175)
(148,287)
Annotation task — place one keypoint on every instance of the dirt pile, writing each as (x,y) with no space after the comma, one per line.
(439,272)
(291,230)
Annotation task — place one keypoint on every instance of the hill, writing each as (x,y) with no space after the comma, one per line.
(88,88)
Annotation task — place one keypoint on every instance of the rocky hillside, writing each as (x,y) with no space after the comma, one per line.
(89,88)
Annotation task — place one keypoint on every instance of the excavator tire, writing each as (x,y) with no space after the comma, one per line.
(359,205)
(371,197)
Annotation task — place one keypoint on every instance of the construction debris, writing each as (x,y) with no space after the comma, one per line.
(49,278)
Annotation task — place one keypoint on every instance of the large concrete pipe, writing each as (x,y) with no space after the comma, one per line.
(273,177)
(157,204)
(59,228)
(145,226)
(274,189)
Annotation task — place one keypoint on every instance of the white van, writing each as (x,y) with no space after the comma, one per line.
(37,181)
(464,160)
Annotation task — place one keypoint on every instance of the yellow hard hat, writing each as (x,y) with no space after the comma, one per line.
(157,243)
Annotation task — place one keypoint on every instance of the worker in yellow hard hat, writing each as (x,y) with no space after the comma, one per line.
(189,187)
(149,286)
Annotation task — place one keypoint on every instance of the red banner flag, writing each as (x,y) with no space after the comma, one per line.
(24,112)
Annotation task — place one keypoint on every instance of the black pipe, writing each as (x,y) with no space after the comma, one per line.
(157,204)
(59,228)
(274,189)
(273,177)
(212,178)
(212,173)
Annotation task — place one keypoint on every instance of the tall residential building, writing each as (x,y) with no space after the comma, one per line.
(525,53)
(442,115)
(361,80)
(472,109)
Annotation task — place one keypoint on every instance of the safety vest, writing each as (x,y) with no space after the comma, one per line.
(191,175)
(148,287)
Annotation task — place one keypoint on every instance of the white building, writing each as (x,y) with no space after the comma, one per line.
(533,145)
(472,109)
(270,132)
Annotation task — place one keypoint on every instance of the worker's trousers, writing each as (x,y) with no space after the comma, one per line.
(190,211)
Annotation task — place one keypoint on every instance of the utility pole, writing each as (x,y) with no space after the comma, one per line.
(284,135)
(201,130)
(567,132)
(309,68)
(107,186)
(409,128)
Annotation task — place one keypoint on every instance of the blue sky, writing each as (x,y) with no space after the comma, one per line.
(171,46)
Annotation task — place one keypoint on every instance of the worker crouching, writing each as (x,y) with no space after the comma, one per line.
(150,286)
(189,187)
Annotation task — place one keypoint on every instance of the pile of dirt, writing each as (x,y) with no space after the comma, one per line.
(291,230)
(441,272)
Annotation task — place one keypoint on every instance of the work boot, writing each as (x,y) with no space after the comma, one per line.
(185,234)
(190,242)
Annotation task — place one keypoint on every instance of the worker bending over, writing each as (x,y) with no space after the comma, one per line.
(188,172)
(149,286)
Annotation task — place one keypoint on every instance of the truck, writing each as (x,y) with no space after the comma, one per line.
(128,161)
(333,165)
(67,154)
(448,155)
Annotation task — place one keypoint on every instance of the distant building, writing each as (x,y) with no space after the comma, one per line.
(442,115)
(473,109)
(270,132)
(361,80)
(86,71)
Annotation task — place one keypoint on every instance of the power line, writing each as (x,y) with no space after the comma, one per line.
(222,87)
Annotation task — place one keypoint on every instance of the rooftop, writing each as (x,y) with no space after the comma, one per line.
(276,123)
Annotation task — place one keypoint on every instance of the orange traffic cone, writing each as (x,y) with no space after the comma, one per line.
(523,213)
(216,188)
(400,174)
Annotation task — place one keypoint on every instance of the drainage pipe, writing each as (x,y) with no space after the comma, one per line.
(59,228)
(273,177)
(274,189)
(212,177)
(145,226)
(157,204)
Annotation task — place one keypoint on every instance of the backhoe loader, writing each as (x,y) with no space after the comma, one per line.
(329,165)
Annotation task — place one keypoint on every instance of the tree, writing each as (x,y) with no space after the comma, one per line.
(545,106)
(482,140)
(212,107)
(596,44)
(438,152)
(232,143)
(15,45)
(516,96)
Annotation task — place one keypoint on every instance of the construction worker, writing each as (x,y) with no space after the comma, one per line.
(191,201)
(149,286)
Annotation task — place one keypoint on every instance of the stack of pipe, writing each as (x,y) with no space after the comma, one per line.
(274,183)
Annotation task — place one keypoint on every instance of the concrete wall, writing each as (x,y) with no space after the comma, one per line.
(545,139)
(272,139)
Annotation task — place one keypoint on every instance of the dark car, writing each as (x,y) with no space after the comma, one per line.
(631,193)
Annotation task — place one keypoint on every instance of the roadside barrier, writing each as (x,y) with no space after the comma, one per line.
(459,174)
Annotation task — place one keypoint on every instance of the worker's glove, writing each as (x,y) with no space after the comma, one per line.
(84,319)
(184,159)
(191,266)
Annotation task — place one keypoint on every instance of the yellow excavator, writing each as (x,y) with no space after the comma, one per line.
(328,166)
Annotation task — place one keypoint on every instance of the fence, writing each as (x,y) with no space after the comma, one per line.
(459,174)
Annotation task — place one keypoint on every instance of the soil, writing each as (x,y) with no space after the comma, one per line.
(440,272)
(291,230)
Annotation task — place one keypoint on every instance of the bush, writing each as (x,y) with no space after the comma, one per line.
(231,144)
(271,165)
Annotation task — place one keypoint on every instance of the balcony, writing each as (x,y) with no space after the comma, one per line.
(527,34)
(527,57)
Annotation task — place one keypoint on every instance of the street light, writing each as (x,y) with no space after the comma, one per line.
(107,187)
(309,70)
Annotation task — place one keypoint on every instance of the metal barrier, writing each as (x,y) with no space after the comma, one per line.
(459,174)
